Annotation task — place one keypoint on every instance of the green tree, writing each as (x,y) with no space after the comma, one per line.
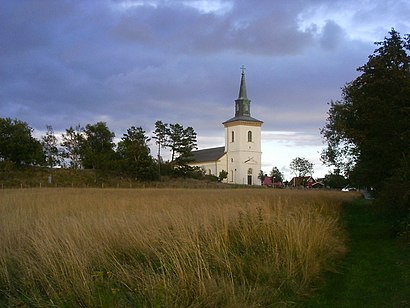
(135,155)
(160,136)
(71,143)
(301,167)
(222,175)
(97,147)
(17,144)
(261,176)
(276,175)
(335,180)
(186,145)
(51,151)
(174,140)
(368,131)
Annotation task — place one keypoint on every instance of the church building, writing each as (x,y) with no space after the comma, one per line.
(241,155)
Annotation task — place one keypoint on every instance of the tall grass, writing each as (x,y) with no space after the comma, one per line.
(170,248)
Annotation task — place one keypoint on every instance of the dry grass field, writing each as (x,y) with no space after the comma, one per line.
(165,247)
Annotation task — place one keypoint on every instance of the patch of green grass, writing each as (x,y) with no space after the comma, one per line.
(376,270)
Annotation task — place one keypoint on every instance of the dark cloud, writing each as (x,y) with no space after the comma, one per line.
(134,62)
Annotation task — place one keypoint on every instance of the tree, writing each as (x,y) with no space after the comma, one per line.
(335,180)
(301,167)
(276,175)
(17,145)
(368,131)
(135,154)
(71,143)
(261,176)
(222,175)
(174,140)
(186,146)
(51,151)
(97,147)
(160,135)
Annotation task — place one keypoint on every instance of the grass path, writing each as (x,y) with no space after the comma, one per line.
(376,270)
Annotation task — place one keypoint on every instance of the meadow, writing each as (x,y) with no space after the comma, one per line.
(166,247)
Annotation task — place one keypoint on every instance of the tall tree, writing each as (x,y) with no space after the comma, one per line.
(368,131)
(17,143)
(97,147)
(175,135)
(71,143)
(276,175)
(301,167)
(51,151)
(160,136)
(187,144)
(135,155)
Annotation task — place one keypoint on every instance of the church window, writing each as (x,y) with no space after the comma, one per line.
(231,160)
(231,175)
(233,136)
(250,171)
(249,136)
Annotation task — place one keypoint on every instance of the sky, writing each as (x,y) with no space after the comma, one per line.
(133,62)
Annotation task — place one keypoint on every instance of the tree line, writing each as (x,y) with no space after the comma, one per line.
(368,131)
(93,147)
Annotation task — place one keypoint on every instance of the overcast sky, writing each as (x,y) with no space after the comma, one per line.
(132,62)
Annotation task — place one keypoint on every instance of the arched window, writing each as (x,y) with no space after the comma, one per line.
(233,136)
(249,136)
(250,176)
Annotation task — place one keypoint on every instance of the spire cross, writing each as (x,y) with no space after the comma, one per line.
(243,69)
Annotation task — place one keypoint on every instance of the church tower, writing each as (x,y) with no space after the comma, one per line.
(243,141)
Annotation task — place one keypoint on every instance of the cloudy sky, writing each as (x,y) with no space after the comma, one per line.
(132,62)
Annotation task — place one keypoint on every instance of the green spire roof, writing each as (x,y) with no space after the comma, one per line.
(242,88)
(242,103)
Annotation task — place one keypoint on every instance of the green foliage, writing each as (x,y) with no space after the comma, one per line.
(97,147)
(71,143)
(334,180)
(368,132)
(51,151)
(276,175)
(160,136)
(134,153)
(181,142)
(222,175)
(17,144)
(92,147)
(301,166)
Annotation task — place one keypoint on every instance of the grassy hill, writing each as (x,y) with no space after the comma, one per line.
(30,177)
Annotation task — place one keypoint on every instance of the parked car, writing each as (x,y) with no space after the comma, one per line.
(348,188)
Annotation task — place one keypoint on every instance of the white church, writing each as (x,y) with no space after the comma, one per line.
(241,155)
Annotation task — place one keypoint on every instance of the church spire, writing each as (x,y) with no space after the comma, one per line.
(242,88)
(242,104)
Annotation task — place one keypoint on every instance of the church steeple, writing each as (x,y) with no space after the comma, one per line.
(242,88)
(242,104)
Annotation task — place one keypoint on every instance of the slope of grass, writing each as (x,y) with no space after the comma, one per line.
(165,248)
(35,177)
(376,270)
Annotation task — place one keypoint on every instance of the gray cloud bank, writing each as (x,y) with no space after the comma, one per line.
(134,62)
